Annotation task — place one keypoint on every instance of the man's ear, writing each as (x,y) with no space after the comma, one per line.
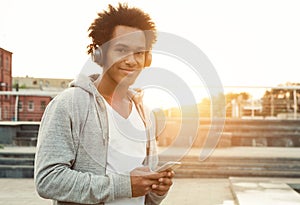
(148,59)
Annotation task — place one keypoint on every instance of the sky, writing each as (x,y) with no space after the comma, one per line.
(249,43)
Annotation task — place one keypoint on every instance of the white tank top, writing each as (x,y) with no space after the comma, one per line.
(127,147)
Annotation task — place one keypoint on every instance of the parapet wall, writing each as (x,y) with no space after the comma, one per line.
(19,133)
(236,132)
(240,132)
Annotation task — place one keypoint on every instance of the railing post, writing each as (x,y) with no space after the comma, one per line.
(272,105)
(295,104)
(252,107)
(16,107)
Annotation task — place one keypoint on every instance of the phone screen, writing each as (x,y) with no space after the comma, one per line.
(168,166)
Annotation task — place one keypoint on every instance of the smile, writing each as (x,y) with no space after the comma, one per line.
(127,71)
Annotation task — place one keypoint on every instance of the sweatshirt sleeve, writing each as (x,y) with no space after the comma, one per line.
(154,199)
(56,152)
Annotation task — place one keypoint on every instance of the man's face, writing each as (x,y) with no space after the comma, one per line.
(125,55)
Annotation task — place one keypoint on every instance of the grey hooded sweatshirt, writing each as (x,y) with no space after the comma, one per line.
(71,156)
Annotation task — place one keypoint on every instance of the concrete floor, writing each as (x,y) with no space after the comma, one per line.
(184,191)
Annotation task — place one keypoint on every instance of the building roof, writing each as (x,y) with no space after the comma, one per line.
(30,92)
(41,83)
(6,50)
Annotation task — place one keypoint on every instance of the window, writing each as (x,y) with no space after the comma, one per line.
(5,113)
(1,59)
(43,105)
(47,83)
(31,106)
(63,84)
(20,106)
(7,63)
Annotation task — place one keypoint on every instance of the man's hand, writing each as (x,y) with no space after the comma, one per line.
(164,183)
(143,180)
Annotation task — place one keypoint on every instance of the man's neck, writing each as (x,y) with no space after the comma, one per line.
(116,96)
(108,87)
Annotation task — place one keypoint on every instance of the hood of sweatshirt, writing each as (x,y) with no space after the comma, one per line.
(86,83)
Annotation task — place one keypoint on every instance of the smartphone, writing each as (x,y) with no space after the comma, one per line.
(168,166)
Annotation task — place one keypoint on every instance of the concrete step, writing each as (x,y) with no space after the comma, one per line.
(27,133)
(25,141)
(237,165)
(26,138)
(30,127)
(16,164)
(225,173)
(16,161)
(260,161)
(16,171)
(232,165)
(239,159)
(17,154)
(225,170)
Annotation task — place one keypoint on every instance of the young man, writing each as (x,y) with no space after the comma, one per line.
(96,144)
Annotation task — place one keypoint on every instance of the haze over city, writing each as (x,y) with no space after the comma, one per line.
(249,43)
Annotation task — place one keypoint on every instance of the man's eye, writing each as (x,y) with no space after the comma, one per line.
(122,50)
(140,53)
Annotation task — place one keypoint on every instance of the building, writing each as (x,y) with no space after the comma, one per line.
(25,98)
(5,83)
(36,94)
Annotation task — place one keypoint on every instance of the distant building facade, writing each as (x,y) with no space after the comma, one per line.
(38,92)
(5,83)
(25,98)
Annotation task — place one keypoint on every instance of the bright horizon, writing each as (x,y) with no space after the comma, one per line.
(249,43)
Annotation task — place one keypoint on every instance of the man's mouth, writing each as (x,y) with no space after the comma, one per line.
(127,70)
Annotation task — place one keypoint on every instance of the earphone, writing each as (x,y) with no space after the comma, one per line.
(97,57)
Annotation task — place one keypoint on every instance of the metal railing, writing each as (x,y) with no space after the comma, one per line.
(265,102)
(281,102)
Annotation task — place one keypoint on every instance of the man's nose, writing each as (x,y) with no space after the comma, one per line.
(130,59)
